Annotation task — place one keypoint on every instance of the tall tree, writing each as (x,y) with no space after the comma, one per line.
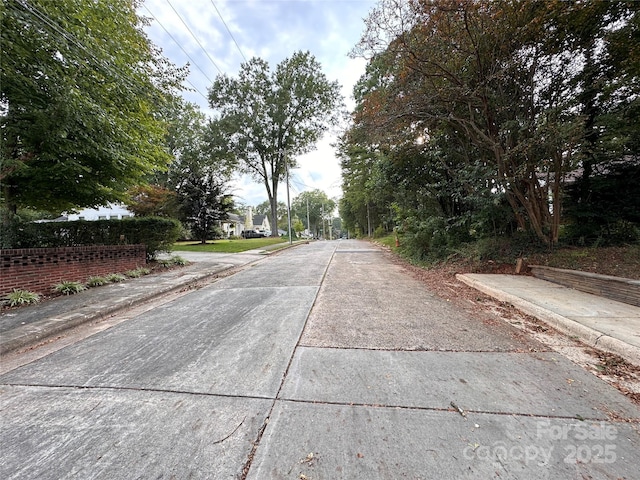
(495,74)
(204,201)
(315,206)
(81,86)
(199,173)
(268,118)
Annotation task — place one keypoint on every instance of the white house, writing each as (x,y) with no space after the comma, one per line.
(233,225)
(109,212)
(261,223)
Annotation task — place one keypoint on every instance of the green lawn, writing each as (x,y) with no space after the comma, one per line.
(228,246)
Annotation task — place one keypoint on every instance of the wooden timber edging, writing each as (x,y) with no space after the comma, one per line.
(619,289)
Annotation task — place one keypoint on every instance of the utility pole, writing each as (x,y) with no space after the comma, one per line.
(308,224)
(286,163)
(324,235)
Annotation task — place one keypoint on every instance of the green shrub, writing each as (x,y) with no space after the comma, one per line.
(22,297)
(178,260)
(158,234)
(138,272)
(379,232)
(96,281)
(116,277)
(165,262)
(69,287)
(173,261)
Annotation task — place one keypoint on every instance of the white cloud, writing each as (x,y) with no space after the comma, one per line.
(272,30)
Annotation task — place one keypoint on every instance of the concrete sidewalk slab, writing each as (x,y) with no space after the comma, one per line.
(283,271)
(367,301)
(222,346)
(36,323)
(28,325)
(120,434)
(323,441)
(544,384)
(596,321)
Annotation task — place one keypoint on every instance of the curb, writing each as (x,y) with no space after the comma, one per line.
(585,334)
(44,329)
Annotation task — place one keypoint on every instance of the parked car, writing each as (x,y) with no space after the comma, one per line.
(251,234)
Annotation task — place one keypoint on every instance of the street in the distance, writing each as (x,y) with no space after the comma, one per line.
(324,361)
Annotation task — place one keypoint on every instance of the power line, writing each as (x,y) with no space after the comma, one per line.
(301,184)
(56,28)
(122,76)
(197,90)
(195,38)
(229,31)
(178,44)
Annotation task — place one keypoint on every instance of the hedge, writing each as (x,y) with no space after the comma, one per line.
(158,234)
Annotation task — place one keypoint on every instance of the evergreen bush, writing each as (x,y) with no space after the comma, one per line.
(158,234)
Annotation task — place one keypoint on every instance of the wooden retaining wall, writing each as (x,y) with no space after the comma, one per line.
(615,288)
(38,269)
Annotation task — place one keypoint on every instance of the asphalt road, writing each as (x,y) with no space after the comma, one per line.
(325,361)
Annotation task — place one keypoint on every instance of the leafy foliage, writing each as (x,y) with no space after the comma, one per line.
(471,115)
(97,281)
(178,260)
(152,201)
(195,187)
(157,234)
(608,212)
(116,278)
(204,202)
(21,297)
(265,119)
(315,206)
(68,287)
(175,260)
(80,90)
(137,272)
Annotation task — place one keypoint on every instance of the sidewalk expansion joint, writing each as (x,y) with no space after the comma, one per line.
(515,351)
(451,410)
(256,443)
(136,389)
(308,402)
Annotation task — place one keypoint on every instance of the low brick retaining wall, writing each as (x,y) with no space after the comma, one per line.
(38,269)
(615,288)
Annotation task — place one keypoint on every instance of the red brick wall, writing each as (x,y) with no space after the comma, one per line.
(38,269)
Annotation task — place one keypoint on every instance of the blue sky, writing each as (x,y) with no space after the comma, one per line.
(272,30)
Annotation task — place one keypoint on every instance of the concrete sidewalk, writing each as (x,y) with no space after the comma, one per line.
(326,361)
(596,321)
(29,325)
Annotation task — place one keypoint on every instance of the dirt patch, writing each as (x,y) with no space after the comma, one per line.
(616,261)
